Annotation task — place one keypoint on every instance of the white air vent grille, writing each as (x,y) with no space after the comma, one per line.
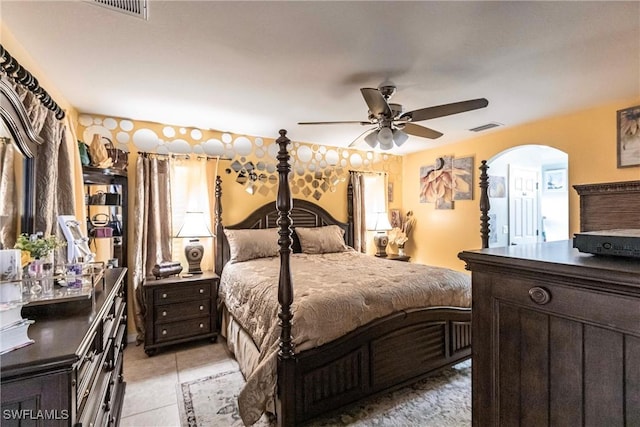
(138,8)
(485,127)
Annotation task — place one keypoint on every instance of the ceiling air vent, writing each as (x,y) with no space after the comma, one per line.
(137,8)
(485,127)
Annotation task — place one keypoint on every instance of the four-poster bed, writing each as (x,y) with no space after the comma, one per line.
(392,347)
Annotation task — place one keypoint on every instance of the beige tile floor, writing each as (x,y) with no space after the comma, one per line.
(151,398)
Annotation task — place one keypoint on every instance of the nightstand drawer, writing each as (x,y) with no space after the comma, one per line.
(181,292)
(182,310)
(184,329)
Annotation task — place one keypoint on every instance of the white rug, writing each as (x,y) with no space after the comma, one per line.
(443,399)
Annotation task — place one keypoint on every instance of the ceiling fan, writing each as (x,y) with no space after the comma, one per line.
(392,126)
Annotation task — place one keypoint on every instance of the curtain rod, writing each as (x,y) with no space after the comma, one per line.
(368,172)
(182,156)
(22,76)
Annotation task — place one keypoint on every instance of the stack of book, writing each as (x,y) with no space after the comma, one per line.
(13,328)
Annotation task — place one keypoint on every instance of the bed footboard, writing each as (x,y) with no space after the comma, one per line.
(384,355)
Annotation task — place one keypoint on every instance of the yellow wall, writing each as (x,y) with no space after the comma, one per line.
(589,139)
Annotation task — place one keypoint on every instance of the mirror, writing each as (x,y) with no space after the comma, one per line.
(17,176)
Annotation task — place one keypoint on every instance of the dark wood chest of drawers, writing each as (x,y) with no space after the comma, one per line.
(180,309)
(556,337)
(72,374)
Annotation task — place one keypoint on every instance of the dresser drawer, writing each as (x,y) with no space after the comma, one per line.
(182,310)
(182,293)
(617,312)
(183,329)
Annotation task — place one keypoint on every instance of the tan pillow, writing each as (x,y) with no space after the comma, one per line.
(249,244)
(321,240)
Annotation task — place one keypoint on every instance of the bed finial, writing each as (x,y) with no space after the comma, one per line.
(484,204)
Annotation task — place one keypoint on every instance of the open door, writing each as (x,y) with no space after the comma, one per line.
(523,205)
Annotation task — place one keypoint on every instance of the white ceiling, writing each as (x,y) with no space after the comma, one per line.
(255,67)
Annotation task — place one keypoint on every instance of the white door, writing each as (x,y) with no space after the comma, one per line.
(523,205)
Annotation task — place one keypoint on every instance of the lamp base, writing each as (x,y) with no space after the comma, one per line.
(381,241)
(194,251)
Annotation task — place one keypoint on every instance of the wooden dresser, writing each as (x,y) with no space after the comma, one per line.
(72,374)
(180,309)
(556,333)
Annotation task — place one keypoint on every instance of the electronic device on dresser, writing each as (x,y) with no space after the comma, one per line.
(556,332)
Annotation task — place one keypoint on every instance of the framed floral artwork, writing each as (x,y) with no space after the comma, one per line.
(629,137)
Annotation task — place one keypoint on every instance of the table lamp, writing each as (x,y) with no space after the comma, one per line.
(194,227)
(380,224)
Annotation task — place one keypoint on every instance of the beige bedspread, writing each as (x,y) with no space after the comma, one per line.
(333,294)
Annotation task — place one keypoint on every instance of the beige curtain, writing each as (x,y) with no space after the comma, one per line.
(151,225)
(8,195)
(54,167)
(359,222)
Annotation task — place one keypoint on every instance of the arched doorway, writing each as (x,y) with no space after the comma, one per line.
(529,195)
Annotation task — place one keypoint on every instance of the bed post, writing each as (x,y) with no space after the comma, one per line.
(350,230)
(285,392)
(484,204)
(219,261)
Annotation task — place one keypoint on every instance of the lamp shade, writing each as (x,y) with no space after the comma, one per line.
(372,139)
(379,222)
(194,226)
(385,138)
(399,137)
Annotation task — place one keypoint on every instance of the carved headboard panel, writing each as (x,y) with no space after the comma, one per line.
(610,205)
(303,214)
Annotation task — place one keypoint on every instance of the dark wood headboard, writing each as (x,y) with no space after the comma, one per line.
(303,214)
(610,205)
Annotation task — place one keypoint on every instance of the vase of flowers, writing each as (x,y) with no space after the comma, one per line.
(399,236)
(37,261)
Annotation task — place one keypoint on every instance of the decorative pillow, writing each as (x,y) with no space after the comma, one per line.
(321,240)
(249,244)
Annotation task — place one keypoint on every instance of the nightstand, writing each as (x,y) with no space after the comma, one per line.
(180,309)
(394,257)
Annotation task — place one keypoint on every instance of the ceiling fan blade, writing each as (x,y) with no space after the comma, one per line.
(444,110)
(336,123)
(355,141)
(376,102)
(417,130)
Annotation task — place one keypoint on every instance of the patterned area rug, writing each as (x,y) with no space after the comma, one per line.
(443,399)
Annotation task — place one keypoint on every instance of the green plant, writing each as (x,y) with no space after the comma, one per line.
(38,246)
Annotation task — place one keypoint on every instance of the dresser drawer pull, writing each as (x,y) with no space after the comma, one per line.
(539,295)
(201,325)
(201,307)
(201,291)
(164,332)
(164,295)
(164,313)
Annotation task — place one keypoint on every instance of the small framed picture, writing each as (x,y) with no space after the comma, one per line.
(554,180)
(629,137)
(396,219)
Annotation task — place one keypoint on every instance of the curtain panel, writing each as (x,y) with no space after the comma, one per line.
(151,225)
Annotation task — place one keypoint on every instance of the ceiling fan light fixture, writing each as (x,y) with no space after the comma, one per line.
(372,139)
(385,138)
(399,137)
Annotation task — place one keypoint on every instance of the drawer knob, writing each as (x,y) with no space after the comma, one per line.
(201,325)
(539,295)
(201,291)
(164,313)
(164,332)
(164,295)
(201,307)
